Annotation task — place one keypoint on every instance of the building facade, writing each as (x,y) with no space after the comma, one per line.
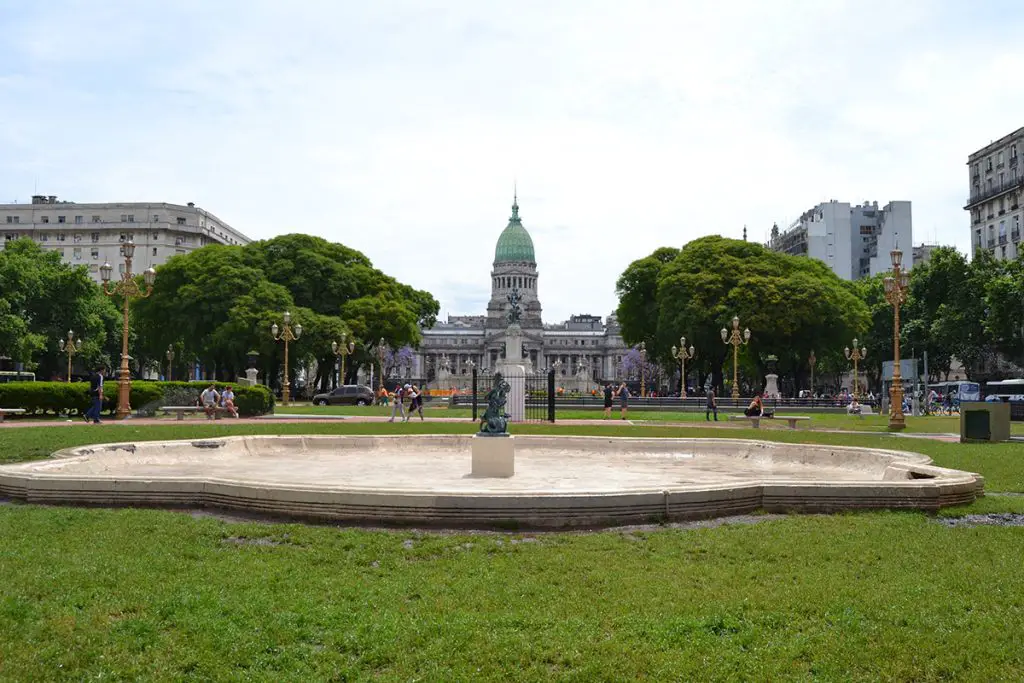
(854,241)
(996,185)
(92,234)
(583,340)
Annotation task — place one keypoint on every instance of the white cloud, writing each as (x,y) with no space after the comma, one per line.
(399,127)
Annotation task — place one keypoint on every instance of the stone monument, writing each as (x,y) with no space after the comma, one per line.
(771,380)
(512,366)
(493,447)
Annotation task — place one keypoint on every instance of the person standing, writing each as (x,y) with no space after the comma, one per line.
(623,393)
(415,402)
(607,400)
(711,405)
(398,406)
(95,397)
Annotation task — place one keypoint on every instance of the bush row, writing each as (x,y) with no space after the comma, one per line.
(40,398)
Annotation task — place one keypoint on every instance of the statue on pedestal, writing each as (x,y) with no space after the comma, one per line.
(495,420)
(514,311)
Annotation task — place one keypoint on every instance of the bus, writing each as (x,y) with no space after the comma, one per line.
(1005,390)
(960,390)
(16,376)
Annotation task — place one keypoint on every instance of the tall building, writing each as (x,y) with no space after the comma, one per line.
(582,340)
(854,241)
(92,234)
(922,253)
(996,184)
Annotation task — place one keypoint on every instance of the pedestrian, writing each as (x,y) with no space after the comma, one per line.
(415,402)
(623,393)
(607,400)
(95,397)
(209,400)
(711,405)
(398,405)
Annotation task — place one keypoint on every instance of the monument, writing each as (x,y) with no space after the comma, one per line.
(493,449)
(513,367)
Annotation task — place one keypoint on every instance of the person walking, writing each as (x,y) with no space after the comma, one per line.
(607,400)
(398,404)
(711,405)
(95,397)
(415,402)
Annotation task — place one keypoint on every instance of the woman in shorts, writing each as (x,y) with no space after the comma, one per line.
(227,400)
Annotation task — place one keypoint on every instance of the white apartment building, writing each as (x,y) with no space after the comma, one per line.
(996,183)
(92,234)
(854,241)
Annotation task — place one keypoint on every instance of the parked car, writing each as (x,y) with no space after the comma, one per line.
(348,394)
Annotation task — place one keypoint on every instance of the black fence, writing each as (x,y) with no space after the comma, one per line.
(697,403)
(539,393)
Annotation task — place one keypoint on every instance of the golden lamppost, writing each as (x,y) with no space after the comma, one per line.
(380,357)
(170,361)
(856,355)
(287,335)
(643,358)
(736,339)
(896,286)
(683,354)
(71,348)
(340,351)
(127,288)
(812,361)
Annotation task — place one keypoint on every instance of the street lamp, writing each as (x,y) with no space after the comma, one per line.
(896,286)
(287,335)
(127,289)
(857,354)
(736,339)
(643,356)
(170,361)
(812,361)
(683,354)
(71,348)
(340,351)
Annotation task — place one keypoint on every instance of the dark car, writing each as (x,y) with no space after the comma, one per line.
(349,394)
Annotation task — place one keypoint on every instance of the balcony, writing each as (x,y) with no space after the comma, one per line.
(999,165)
(1013,161)
(996,190)
(977,220)
(1015,235)
(1002,239)
(1002,212)
(991,216)
(991,243)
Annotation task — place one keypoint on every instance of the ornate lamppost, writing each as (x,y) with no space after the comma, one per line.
(683,354)
(736,339)
(812,361)
(380,357)
(170,361)
(286,335)
(71,348)
(896,286)
(643,357)
(856,355)
(127,288)
(340,351)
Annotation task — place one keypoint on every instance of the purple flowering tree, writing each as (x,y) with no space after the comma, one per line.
(395,362)
(632,362)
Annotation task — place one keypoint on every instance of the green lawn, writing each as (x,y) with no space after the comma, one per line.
(156,595)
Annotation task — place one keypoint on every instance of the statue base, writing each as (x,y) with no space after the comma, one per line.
(493,456)
(250,376)
(515,375)
(771,386)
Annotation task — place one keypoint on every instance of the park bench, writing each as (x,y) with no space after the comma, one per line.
(181,410)
(755,420)
(10,411)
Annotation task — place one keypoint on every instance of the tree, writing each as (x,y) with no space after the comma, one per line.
(792,305)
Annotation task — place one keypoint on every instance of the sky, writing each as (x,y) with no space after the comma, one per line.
(399,127)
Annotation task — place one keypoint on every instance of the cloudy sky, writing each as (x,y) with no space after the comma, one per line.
(399,127)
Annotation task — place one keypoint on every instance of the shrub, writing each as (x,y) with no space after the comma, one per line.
(40,398)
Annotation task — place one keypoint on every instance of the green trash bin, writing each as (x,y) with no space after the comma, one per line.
(977,425)
(984,421)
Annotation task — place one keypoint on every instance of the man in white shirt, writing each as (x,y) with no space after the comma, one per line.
(210,398)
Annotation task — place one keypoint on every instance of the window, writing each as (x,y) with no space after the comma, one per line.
(156,235)
(10,219)
(8,236)
(154,251)
(78,220)
(120,268)
(95,219)
(44,237)
(77,253)
(78,237)
(124,218)
(94,253)
(94,267)
(131,218)
(62,219)
(60,236)
(95,237)
(44,219)
(60,251)
(156,218)
(1002,228)
(181,220)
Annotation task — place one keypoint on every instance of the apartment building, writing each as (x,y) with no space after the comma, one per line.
(854,241)
(92,234)
(996,184)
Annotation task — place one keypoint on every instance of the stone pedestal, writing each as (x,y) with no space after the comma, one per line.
(250,376)
(493,456)
(515,375)
(771,386)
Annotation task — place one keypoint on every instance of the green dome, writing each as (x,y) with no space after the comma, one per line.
(514,243)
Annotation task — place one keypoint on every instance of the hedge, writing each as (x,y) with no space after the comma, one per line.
(40,398)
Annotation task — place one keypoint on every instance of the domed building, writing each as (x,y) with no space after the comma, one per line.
(582,341)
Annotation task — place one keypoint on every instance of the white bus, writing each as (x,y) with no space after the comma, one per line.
(959,390)
(1005,390)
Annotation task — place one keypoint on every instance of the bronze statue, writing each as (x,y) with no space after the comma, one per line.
(495,420)
(514,311)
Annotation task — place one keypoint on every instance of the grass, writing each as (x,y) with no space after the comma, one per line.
(156,595)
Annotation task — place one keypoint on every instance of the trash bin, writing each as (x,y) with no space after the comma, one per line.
(984,421)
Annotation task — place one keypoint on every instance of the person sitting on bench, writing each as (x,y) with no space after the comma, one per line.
(756,407)
(853,408)
(210,398)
